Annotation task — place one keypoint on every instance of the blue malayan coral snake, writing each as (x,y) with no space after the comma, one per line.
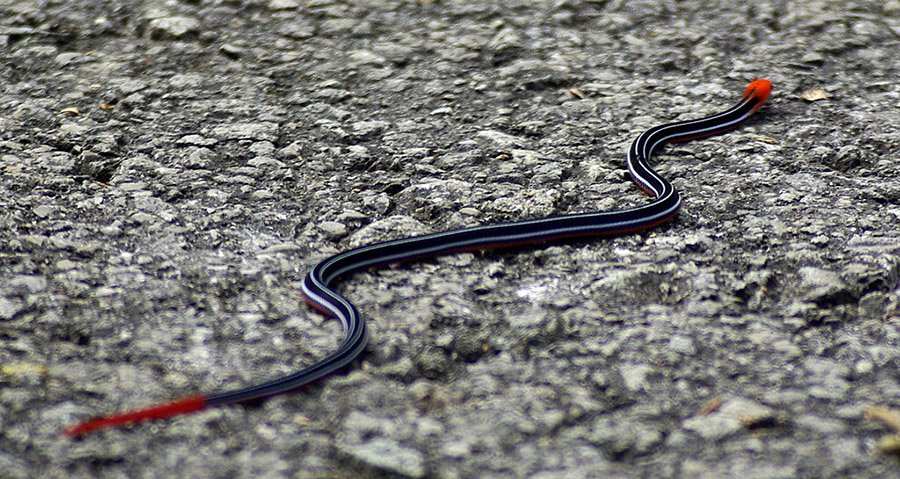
(319,283)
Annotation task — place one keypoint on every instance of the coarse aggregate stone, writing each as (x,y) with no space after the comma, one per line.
(171,169)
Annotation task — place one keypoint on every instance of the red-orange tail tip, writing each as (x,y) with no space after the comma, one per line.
(175,408)
(760,89)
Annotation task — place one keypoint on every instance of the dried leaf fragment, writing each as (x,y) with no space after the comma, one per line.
(72,110)
(576,92)
(759,422)
(765,139)
(889,445)
(888,417)
(710,406)
(815,93)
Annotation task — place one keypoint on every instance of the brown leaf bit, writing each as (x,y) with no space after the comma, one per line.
(576,92)
(815,93)
(765,139)
(710,407)
(105,106)
(759,422)
(888,417)
(889,445)
(72,110)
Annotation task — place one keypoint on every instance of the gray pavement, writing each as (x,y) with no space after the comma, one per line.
(171,170)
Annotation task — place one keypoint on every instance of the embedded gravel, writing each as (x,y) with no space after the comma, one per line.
(171,170)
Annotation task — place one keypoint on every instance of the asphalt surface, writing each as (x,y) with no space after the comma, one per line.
(171,170)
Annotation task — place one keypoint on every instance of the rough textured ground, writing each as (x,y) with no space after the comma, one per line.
(171,169)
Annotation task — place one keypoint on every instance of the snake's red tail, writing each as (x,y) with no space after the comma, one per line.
(175,408)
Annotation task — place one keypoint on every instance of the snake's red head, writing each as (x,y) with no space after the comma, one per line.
(759,90)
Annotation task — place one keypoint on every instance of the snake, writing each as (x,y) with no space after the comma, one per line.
(318,287)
